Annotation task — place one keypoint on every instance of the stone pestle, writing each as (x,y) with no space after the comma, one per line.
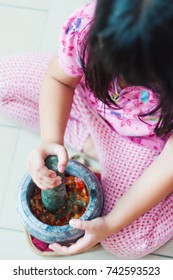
(54,199)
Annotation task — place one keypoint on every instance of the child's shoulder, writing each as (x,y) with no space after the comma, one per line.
(80,19)
(86,10)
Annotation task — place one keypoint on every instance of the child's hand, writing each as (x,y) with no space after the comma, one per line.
(43,177)
(95,232)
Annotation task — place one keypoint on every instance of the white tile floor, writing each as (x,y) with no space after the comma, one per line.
(31,25)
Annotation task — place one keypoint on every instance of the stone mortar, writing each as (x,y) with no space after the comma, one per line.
(61,234)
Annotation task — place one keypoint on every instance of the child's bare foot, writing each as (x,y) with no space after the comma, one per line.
(89,148)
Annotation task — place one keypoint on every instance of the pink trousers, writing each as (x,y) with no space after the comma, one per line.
(122,161)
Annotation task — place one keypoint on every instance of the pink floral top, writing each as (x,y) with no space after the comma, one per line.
(133,100)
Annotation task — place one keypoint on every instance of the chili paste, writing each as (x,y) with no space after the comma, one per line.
(77,199)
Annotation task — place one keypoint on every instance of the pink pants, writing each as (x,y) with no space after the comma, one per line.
(122,161)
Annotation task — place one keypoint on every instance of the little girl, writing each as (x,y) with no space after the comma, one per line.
(108,92)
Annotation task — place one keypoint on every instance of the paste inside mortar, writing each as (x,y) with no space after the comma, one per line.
(77,199)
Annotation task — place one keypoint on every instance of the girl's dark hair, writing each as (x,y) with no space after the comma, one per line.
(134,39)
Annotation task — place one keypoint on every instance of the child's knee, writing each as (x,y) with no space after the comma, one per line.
(123,252)
(131,246)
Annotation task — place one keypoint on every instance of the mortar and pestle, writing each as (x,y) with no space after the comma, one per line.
(54,199)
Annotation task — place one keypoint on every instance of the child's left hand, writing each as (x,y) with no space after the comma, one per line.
(95,232)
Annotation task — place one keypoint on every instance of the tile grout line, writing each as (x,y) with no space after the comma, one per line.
(9,126)
(160,255)
(11,167)
(43,32)
(23,7)
(10,229)
(46,24)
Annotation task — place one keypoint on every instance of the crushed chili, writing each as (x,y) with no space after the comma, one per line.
(77,199)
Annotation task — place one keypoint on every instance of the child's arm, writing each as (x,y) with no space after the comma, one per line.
(153,186)
(55,102)
(56,96)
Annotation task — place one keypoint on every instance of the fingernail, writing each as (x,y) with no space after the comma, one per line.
(51,247)
(59,181)
(72,222)
(53,175)
(61,168)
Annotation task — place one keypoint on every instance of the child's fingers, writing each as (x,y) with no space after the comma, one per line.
(44,177)
(49,183)
(36,165)
(44,182)
(54,149)
(35,161)
(62,155)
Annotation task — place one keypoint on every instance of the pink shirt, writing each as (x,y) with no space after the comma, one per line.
(133,100)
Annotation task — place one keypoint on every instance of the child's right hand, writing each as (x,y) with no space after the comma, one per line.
(43,177)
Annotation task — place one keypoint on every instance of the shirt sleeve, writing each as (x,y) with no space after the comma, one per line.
(72,38)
